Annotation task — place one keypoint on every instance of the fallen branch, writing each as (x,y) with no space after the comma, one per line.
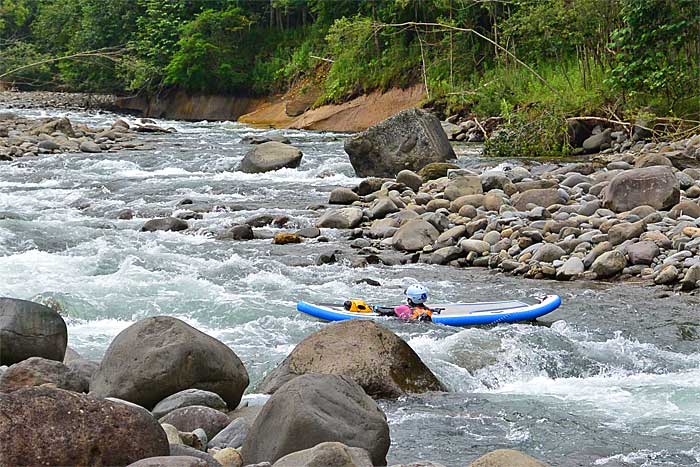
(476,33)
(321,58)
(108,53)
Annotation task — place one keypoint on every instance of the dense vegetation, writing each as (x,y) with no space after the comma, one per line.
(526,60)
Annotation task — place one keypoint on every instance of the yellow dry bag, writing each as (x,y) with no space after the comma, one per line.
(357,306)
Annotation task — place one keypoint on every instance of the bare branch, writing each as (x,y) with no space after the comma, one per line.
(107,53)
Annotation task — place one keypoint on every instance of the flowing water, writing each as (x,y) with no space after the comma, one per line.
(612,378)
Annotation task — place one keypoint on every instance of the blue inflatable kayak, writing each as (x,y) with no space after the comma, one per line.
(452,314)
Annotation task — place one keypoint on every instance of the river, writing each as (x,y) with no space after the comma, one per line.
(612,378)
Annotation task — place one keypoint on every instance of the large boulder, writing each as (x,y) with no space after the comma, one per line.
(47,426)
(409,140)
(270,156)
(36,371)
(373,356)
(188,398)
(28,329)
(652,186)
(344,218)
(159,356)
(233,435)
(414,235)
(190,418)
(643,252)
(313,409)
(327,454)
(462,185)
(609,264)
(165,224)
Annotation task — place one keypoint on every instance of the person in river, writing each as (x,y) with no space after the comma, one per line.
(415,308)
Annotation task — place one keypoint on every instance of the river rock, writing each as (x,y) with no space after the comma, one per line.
(383,228)
(343,218)
(661,240)
(409,140)
(596,143)
(691,280)
(36,371)
(90,146)
(436,170)
(414,235)
(506,458)
(572,267)
(686,208)
(493,202)
(342,195)
(477,246)
(170,461)
(316,408)
(29,329)
(237,232)
(462,185)
(609,264)
(188,398)
(327,454)
(228,457)
(381,208)
(270,156)
(643,252)
(35,429)
(84,370)
(544,197)
(410,179)
(653,186)
(190,418)
(548,253)
(373,356)
(233,435)
(165,223)
(667,275)
(182,450)
(284,238)
(161,355)
(625,231)
(651,160)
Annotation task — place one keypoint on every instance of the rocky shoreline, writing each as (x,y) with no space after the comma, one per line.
(166,394)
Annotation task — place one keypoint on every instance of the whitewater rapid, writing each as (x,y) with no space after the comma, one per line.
(611,378)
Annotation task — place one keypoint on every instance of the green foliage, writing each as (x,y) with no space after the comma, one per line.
(657,49)
(208,58)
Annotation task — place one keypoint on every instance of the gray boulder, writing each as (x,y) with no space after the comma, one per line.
(686,208)
(609,264)
(410,179)
(90,146)
(36,371)
(28,329)
(313,409)
(233,435)
(571,268)
(544,197)
(595,143)
(643,252)
(381,208)
(159,356)
(165,223)
(270,156)
(409,140)
(342,195)
(237,232)
(188,398)
(327,454)
(47,426)
(182,450)
(462,185)
(548,253)
(414,235)
(652,186)
(190,418)
(625,231)
(344,218)
(84,370)
(373,356)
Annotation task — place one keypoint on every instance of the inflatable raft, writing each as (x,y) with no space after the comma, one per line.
(452,314)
